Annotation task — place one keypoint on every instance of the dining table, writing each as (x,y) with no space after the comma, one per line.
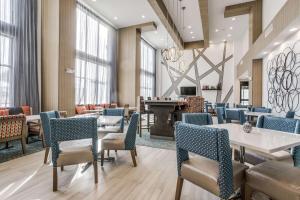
(262,140)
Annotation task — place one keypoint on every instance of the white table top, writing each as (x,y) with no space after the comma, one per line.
(30,118)
(262,140)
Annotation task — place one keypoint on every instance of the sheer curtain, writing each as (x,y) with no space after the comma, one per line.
(95,59)
(18,53)
(147,76)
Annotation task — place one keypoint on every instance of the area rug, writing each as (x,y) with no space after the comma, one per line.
(16,150)
(145,140)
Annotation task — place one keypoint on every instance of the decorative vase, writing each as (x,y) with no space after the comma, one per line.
(247,127)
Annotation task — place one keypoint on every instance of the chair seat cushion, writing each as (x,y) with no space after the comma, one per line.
(74,152)
(113,141)
(205,172)
(276,179)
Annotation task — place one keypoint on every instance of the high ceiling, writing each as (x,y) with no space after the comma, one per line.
(123,13)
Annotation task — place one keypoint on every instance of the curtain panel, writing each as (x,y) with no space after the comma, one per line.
(18,53)
(96,47)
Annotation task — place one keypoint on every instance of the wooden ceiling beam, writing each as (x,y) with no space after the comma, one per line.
(194,45)
(203,6)
(161,11)
(238,9)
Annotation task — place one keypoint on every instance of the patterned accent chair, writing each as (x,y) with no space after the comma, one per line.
(45,120)
(235,116)
(73,141)
(279,124)
(122,141)
(197,118)
(214,170)
(261,109)
(195,104)
(221,114)
(274,179)
(290,114)
(114,112)
(13,127)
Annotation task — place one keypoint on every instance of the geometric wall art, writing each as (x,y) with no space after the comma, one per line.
(283,72)
(201,67)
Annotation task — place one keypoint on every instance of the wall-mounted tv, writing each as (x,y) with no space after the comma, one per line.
(188,91)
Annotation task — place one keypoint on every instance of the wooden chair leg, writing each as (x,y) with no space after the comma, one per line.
(54,179)
(46,154)
(102,157)
(23,142)
(248,192)
(133,157)
(43,140)
(135,152)
(178,188)
(95,171)
(62,168)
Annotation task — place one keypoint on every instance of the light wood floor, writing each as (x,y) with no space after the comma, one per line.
(154,178)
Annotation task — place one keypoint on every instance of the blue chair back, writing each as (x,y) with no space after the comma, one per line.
(45,120)
(261,109)
(208,106)
(131,132)
(237,115)
(115,112)
(197,118)
(221,105)
(290,114)
(73,129)
(211,143)
(285,125)
(221,115)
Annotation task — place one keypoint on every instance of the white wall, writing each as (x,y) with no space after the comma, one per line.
(215,54)
(296,68)
(270,9)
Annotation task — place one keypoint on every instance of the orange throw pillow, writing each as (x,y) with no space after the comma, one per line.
(26,110)
(4,112)
(81,109)
(92,107)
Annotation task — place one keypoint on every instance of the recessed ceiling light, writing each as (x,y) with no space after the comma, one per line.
(191,32)
(193,37)
(217,30)
(265,52)
(143,16)
(233,19)
(210,42)
(94,0)
(116,18)
(230,27)
(189,27)
(229,35)
(293,29)
(276,43)
(224,40)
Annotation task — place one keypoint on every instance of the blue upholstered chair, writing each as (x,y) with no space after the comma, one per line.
(235,115)
(122,141)
(208,107)
(115,112)
(220,105)
(285,125)
(221,114)
(290,114)
(45,120)
(197,118)
(73,141)
(214,170)
(261,109)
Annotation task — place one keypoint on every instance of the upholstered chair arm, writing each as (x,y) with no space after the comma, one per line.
(260,122)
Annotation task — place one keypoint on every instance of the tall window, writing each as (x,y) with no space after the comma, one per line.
(244,93)
(6,54)
(147,70)
(95,58)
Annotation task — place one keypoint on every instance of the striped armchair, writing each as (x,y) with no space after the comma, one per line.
(73,141)
(13,127)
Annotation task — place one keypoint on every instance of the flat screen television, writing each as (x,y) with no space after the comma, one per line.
(188,91)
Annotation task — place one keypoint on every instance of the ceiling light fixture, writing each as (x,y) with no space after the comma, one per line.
(293,29)
(229,35)
(191,32)
(94,0)
(189,27)
(217,30)
(233,19)
(224,40)
(276,43)
(143,16)
(193,37)
(265,52)
(116,18)
(230,28)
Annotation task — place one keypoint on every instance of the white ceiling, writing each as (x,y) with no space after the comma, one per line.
(130,12)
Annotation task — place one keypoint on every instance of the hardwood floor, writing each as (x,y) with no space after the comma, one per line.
(154,178)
